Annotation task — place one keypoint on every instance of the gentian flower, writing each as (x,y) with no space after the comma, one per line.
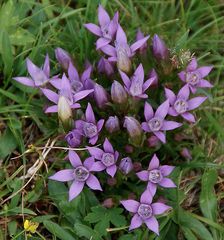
(143,48)
(122,52)
(108,158)
(126,165)
(181,104)
(63,58)
(89,127)
(159,49)
(74,138)
(118,93)
(135,85)
(155,122)
(105,66)
(145,211)
(100,96)
(194,76)
(112,124)
(39,77)
(81,174)
(107,29)
(157,175)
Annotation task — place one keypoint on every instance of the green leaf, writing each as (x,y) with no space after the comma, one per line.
(21,37)
(182,41)
(87,232)
(43,218)
(57,230)
(189,235)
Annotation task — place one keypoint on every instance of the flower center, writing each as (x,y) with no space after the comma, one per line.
(145,211)
(40,79)
(180,106)
(136,86)
(192,78)
(77,86)
(155,124)
(105,32)
(108,159)
(90,130)
(81,174)
(155,176)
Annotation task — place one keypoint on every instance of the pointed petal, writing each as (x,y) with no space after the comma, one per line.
(204,84)
(121,36)
(75,189)
(192,65)
(145,127)
(97,167)
(90,117)
(52,109)
(93,183)
(184,92)
(135,46)
(101,42)
(146,197)
(97,153)
(170,95)
(148,111)
(86,74)
(108,146)
(63,175)
(172,112)
(125,79)
(109,50)
(195,102)
(56,82)
(161,136)
(111,170)
(143,175)
(162,110)
(167,183)
(51,95)
(148,83)
(88,162)
(152,224)
(152,187)
(204,71)
(73,73)
(25,81)
(74,159)
(82,94)
(136,222)
(130,205)
(166,170)
(159,208)
(103,17)
(154,163)
(100,124)
(188,116)
(93,28)
(182,76)
(46,67)
(75,106)
(79,124)
(93,140)
(170,125)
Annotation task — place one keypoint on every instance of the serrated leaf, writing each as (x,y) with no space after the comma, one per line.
(57,230)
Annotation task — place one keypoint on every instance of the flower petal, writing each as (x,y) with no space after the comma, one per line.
(145,127)
(136,222)
(170,125)
(184,92)
(154,163)
(107,146)
(135,46)
(51,95)
(90,117)
(93,183)
(121,36)
(152,187)
(148,111)
(152,224)
(63,175)
(101,42)
(97,167)
(192,65)
(188,116)
(195,102)
(204,71)
(161,136)
(46,66)
(74,159)
(103,17)
(109,50)
(159,208)
(73,73)
(182,76)
(146,197)
(25,81)
(125,79)
(93,140)
(167,183)
(88,162)
(75,189)
(130,205)
(143,175)
(51,109)
(166,170)
(100,124)
(111,170)
(204,84)
(95,152)
(148,83)
(93,28)
(162,110)
(170,95)
(82,94)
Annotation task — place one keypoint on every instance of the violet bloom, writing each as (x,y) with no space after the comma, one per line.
(143,48)
(65,100)
(39,77)
(194,76)
(134,128)
(181,104)
(105,66)
(157,175)
(63,57)
(100,96)
(145,211)
(81,174)
(108,158)
(155,122)
(74,138)
(89,127)
(107,29)
(122,52)
(135,85)
(159,49)
(112,124)
(118,93)
(126,165)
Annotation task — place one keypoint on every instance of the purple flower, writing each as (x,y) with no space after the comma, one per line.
(39,77)
(105,66)
(107,29)
(154,76)
(74,138)
(118,93)
(108,158)
(180,104)
(81,174)
(159,49)
(112,124)
(140,36)
(126,165)
(65,100)
(122,52)
(100,96)
(135,85)
(89,127)
(156,175)
(194,76)
(63,58)
(145,211)
(155,122)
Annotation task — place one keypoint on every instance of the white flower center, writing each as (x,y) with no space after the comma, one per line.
(108,159)
(90,130)
(180,106)
(145,211)
(81,174)
(192,78)
(155,176)
(155,124)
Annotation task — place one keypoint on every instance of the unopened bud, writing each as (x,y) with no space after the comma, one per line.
(108,203)
(112,124)
(123,60)
(126,165)
(63,58)
(100,96)
(160,51)
(186,153)
(118,93)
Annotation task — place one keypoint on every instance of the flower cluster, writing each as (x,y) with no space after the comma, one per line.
(124,101)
